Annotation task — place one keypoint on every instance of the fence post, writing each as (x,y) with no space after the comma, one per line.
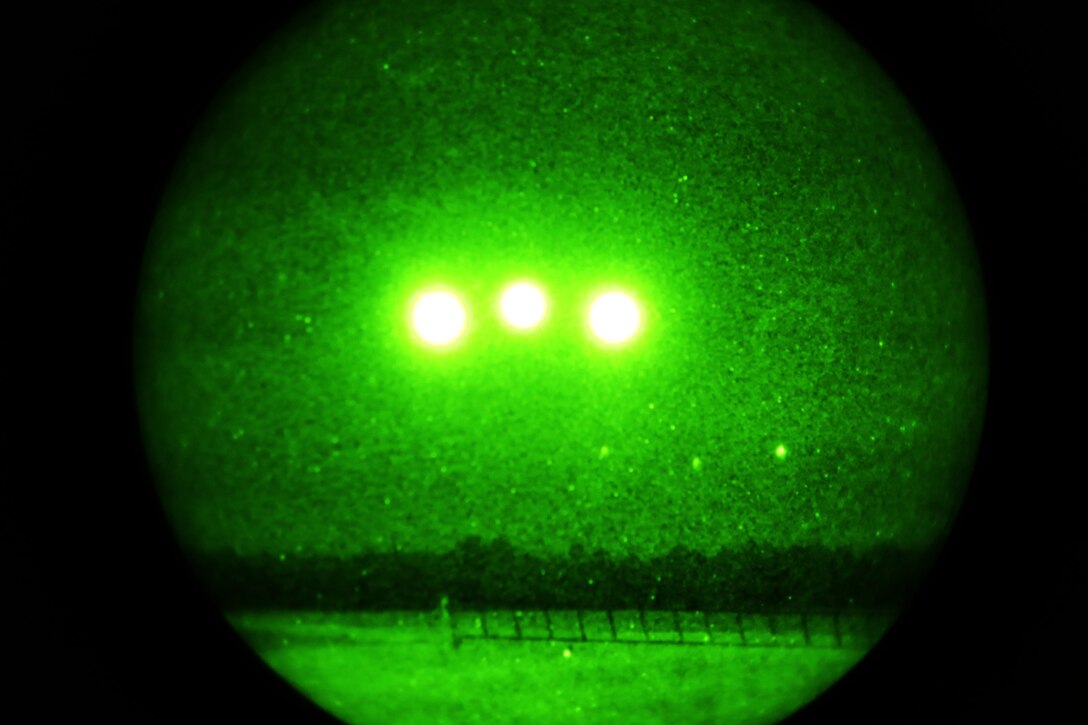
(447,620)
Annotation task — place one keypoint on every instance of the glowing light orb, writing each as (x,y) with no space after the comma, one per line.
(523,305)
(439,318)
(614,317)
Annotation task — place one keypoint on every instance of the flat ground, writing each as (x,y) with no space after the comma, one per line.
(404,667)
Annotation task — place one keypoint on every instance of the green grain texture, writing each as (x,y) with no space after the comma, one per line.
(813,363)
(741,167)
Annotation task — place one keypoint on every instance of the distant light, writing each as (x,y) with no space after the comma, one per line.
(614,317)
(439,317)
(780,452)
(523,305)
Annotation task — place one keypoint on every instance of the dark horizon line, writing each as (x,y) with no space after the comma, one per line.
(575,548)
(493,574)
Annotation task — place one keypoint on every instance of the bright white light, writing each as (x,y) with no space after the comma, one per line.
(614,317)
(439,317)
(523,305)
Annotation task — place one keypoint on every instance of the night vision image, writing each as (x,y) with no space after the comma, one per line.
(584,360)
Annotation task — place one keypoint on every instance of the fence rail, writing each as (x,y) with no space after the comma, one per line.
(671,627)
(569,627)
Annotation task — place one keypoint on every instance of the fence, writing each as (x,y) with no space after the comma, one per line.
(566,627)
(671,627)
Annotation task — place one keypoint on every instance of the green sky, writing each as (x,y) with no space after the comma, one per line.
(745,170)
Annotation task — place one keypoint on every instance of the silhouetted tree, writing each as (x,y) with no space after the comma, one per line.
(466,580)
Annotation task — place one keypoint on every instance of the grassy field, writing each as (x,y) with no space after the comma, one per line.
(409,667)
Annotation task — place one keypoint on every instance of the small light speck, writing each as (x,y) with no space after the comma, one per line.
(567,653)
(780,452)
(604,453)
(697,463)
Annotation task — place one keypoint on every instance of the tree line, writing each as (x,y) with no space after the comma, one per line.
(479,574)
